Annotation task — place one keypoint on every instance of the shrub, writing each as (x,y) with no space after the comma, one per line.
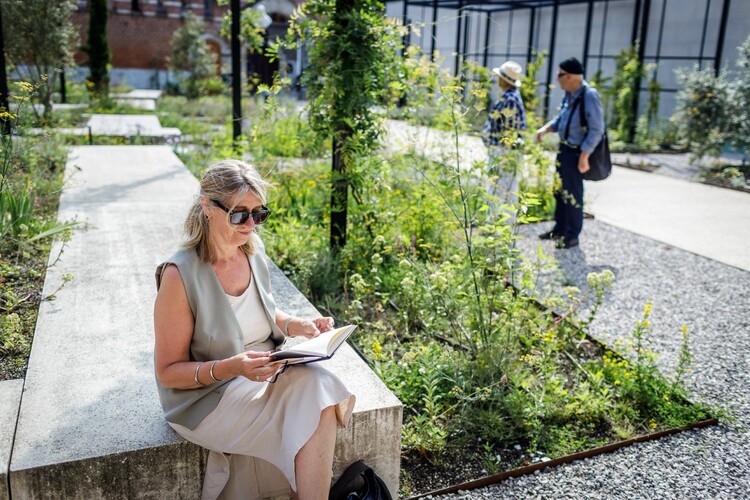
(191,53)
(702,107)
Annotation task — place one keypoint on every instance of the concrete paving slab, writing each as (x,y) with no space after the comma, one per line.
(706,220)
(438,145)
(144,104)
(151,94)
(10,399)
(129,126)
(144,99)
(90,424)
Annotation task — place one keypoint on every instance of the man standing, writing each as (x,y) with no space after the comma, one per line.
(501,135)
(576,144)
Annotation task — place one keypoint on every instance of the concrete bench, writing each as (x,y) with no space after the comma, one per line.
(90,424)
(10,397)
(144,99)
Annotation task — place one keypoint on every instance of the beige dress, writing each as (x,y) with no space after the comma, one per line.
(259,419)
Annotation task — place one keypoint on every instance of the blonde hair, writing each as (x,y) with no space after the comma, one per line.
(221,181)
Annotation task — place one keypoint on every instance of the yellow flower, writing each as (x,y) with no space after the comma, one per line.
(647,311)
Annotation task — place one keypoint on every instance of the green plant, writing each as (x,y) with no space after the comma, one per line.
(738,112)
(530,86)
(659,401)
(702,108)
(40,41)
(478,86)
(713,109)
(192,54)
(353,49)
(629,71)
(30,184)
(12,340)
(252,34)
(16,211)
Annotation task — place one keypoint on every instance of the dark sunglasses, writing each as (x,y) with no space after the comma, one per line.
(238,218)
(560,75)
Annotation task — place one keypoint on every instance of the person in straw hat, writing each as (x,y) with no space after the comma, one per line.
(502,136)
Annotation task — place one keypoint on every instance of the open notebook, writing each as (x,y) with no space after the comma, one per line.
(316,349)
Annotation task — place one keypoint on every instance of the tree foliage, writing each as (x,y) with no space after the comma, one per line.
(97,48)
(738,113)
(190,52)
(40,42)
(353,50)
(530,85)
(714,110)
(252,34)
(702,107)
(619,97)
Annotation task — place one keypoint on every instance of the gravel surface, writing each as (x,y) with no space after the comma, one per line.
(712,299)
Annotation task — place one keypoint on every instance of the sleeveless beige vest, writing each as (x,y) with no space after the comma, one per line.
(216,334)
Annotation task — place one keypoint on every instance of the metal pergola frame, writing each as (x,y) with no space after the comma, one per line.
(640,24)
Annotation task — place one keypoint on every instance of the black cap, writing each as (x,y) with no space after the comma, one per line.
(572,66)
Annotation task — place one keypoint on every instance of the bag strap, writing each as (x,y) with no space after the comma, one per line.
(582,114)
(346,483)
(570,117)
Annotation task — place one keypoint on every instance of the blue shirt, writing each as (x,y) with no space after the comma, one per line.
(579,136)
(508,115)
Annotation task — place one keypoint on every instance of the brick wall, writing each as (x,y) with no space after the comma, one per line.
(141,39)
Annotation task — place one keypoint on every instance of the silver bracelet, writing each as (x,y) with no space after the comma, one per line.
(286,325)
(211,372)
(195,377)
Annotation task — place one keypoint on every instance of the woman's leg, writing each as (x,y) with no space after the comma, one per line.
(314,462)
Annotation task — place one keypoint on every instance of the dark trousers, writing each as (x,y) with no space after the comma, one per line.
(569,207)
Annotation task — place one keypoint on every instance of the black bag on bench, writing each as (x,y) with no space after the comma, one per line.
(359,481)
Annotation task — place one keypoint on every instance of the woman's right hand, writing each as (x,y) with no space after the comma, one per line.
(255,365)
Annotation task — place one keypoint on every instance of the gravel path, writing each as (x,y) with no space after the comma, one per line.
(712,299)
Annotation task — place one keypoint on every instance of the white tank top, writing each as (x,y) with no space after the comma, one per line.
(250,315)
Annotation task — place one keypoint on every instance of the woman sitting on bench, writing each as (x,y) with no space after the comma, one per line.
(215,322)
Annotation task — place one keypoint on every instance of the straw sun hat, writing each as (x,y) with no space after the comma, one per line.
(510,71)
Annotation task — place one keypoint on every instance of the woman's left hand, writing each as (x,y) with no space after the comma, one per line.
(309,328)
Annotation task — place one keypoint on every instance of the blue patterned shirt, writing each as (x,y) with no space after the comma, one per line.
(507,118)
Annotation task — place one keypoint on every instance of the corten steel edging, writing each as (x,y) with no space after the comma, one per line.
(528,469)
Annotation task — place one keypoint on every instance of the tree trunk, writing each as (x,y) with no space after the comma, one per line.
(98,47)
(339,173)
(4,121)
(339,197)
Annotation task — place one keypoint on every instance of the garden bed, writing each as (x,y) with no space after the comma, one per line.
(463,484)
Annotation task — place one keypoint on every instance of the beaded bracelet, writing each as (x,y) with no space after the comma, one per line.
(195,377)
(211,372)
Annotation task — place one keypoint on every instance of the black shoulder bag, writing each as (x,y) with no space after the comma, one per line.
(600,162)
(359,481)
